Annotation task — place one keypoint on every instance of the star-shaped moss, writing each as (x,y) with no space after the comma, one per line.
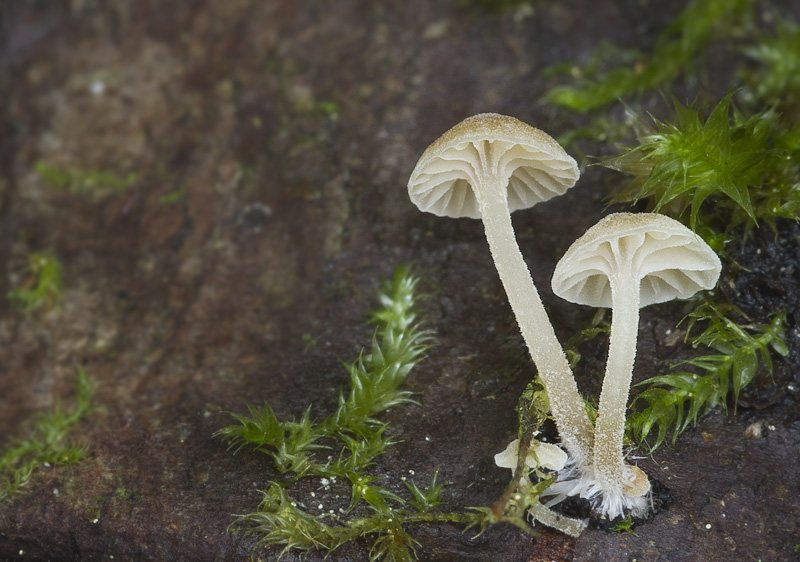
(685,161)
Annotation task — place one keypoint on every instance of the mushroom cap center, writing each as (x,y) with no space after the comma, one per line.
(482,152)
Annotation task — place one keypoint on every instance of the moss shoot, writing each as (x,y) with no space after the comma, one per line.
(339,452)
(50,443)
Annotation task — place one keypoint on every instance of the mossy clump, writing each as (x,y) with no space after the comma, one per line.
(75,180)
(50,443)
(600,83)
(42,283)
(776,78)
(739,164)
(738,350)
(341,451)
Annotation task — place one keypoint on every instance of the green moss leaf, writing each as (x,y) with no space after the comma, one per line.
(745,365)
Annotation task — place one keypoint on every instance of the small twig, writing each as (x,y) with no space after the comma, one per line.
(500,507)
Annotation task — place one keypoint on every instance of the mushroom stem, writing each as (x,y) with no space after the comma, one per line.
(537,331)
(609,463)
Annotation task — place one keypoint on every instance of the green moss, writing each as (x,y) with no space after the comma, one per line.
(173,197)
(343,448)
(329,108)
(737,163)
(49,444)
(42,283)
(701,23)
(675,400)
(776,80)
(75,180)
(736,350)
(625,526)
(740,164)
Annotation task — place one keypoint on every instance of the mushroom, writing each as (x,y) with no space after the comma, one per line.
(486,167)
(627,261)
(548,457)
(544,455)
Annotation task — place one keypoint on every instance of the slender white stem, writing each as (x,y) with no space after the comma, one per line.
(609,463)
(565,402)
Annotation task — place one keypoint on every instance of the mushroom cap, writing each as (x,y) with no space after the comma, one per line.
(532,165)
(669,260)
(545,455)
(638,483)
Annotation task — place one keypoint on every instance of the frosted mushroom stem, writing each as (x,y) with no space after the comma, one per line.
(566,404)
(485,167)
(610,468)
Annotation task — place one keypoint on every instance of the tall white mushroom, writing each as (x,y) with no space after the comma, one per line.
(485,167)
(627,261)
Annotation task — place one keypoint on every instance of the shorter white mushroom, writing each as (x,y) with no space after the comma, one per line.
(627,261)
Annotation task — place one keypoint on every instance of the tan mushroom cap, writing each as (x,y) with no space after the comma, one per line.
(670,260)
(532,165)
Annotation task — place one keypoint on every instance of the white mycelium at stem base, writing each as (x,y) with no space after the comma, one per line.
(485,167)
(624,262)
